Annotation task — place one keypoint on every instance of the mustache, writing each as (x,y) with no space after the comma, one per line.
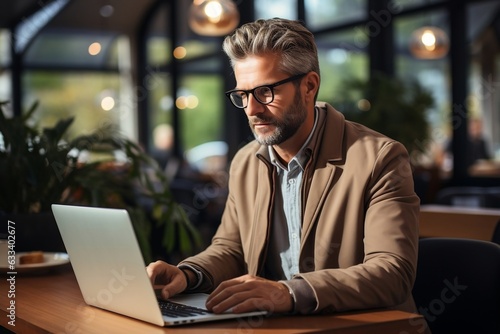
(261,119)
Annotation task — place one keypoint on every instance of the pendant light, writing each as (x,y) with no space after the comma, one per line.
(429,42)
(213,17)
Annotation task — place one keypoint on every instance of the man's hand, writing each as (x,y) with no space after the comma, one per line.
(169,278)
(250,293)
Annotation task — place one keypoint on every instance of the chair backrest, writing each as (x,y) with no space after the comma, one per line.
(476,197)
(457,288)
(496,234)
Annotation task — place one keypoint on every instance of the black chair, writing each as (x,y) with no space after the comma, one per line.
(457,288)
(479,197)
(496,234)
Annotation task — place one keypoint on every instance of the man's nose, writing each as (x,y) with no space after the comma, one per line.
(254,107)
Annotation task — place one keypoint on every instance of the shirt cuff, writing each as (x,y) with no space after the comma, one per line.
(303,295)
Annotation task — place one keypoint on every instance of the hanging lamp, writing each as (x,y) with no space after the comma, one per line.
(429,42)
(213,17)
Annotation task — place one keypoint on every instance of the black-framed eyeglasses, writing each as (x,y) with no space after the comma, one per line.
(264,94)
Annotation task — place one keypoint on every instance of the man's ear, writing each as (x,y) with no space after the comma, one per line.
(311,81)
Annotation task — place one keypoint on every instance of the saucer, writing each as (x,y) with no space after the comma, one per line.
(51,260)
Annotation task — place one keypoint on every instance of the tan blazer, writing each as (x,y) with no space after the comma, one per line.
(360,219)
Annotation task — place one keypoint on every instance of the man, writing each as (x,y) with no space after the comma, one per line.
(321,214)
(476,148)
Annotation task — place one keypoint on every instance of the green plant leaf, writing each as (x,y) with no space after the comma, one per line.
(39,168)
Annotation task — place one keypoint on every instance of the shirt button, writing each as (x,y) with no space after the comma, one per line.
(292,181)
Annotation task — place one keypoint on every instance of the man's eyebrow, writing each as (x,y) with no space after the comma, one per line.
(261,85)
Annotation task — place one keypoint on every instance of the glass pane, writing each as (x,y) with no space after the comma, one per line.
(158,47)
(322,14)
(200,107)
(190,45)
(404,27)
(160,53)
(161,108)
(197,47)
(4,47)
(62,48)
(434,76)
(265,9)
(78,95)
(160,102)
(207,65)
(5,86)
(408,4)
(200,104)
(484,96)
(341,57)
(159,50)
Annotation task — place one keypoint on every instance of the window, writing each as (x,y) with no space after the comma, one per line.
(341,58)
(286,9)
(5,84)
(484,92)
(433,75)
(324,14)
(62,48)
(73,94)
(71,76)
(198,100)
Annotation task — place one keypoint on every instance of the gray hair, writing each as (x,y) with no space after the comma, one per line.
(287,38)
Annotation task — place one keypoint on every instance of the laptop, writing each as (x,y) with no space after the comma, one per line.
(111,273)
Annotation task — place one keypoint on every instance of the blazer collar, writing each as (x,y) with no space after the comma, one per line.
(330,144)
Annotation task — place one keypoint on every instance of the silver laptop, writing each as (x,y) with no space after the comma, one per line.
(111,273)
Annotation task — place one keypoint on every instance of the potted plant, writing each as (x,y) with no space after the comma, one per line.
(389,106)
(38,168)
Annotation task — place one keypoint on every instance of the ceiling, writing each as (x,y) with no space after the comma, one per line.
(127,15)
(80,14)
(12,11)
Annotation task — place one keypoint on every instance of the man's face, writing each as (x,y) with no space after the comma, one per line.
(274,123)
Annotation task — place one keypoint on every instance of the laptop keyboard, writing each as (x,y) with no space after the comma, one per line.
(176,310)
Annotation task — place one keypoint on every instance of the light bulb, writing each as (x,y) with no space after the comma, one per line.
(429,40)
(429,43)
(213,17)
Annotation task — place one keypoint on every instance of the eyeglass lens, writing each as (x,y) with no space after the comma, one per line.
(263,94)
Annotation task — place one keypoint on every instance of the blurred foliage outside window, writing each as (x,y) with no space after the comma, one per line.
(340,59)
(323,14)
(5,77)
(433,75)
(73,94)
(5,91)
(199,104)
(265,9)
(4,48)
(203,120)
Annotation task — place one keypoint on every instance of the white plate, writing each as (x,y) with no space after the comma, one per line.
(51,260)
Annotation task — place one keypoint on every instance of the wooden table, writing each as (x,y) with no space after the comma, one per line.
(485,168)
(52,303)
(458,222)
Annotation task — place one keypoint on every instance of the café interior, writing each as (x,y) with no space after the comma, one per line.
(154,71)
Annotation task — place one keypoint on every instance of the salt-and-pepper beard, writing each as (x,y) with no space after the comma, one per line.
(285,128)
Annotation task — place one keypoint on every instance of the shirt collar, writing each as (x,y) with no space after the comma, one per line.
(303,154)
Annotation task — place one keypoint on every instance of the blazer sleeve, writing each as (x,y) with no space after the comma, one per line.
(382,226)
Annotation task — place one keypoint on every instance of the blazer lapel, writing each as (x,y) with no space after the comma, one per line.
(262,219)
(327,153)
(321,183)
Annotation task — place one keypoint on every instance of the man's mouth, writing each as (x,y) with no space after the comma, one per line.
(261,122)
